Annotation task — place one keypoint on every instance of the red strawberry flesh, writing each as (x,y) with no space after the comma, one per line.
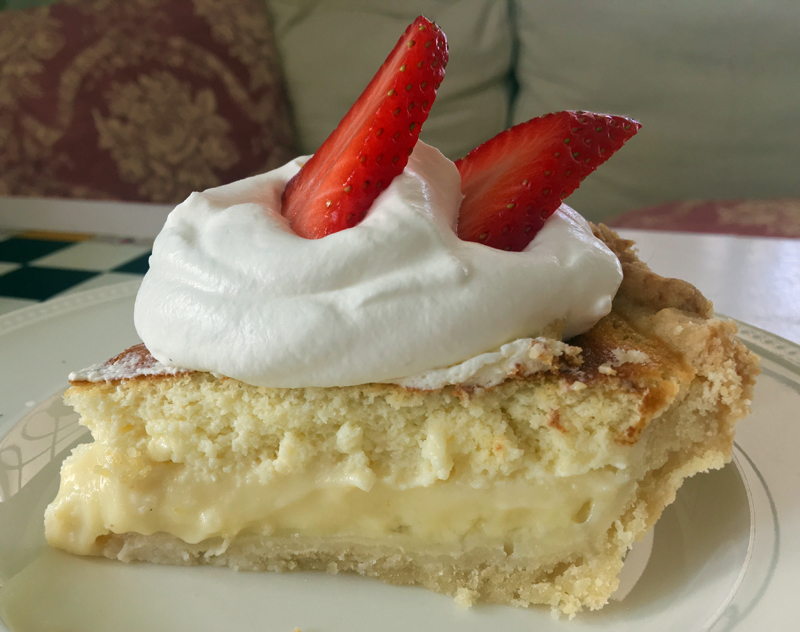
(515,181)
(370,147)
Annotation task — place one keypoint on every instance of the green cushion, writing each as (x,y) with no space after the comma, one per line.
(332,49)
(24,4)
(714,84)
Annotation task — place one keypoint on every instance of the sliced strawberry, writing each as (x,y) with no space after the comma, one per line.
(370,147)
(515,181)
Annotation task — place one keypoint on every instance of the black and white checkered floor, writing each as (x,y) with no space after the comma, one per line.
(35,267)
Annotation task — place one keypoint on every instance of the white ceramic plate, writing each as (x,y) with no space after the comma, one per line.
(726,554)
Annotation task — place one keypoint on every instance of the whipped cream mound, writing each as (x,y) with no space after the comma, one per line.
(232,290)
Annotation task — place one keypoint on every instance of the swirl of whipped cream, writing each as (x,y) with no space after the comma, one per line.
(234,291)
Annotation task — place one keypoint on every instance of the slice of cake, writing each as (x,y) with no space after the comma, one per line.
(427,379)
(529,491)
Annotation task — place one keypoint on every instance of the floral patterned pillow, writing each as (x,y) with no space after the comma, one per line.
(143,100)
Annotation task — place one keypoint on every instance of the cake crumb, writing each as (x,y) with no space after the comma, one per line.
(629,356)
(606,369)
(466,597)
(349,438)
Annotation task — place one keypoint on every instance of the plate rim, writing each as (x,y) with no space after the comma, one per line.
(51,308)
(765,343)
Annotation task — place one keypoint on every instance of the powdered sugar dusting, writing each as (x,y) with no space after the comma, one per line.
(131,363)
(623,356)
(629,356)
(519,358)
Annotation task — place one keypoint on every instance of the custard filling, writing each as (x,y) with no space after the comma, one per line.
(538,517)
